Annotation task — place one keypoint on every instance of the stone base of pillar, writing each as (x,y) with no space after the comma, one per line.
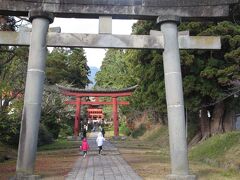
(26,177)
(181,177)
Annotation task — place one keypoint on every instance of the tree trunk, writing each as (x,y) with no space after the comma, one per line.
(217,119)
(6,103)
(163,119)
(195,139)
(228,121)
(204,123)
(0,104)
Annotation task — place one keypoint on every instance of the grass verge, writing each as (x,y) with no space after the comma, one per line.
(220,150)
(216,158)
(60,144)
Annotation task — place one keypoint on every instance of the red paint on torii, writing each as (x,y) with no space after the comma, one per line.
(97,102)
(114,94)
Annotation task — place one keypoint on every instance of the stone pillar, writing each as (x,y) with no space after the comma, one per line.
(115,117)
(77,117)
(33,95)
(174,96)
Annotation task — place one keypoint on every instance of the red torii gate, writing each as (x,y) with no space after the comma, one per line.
(95,111)
(79,93)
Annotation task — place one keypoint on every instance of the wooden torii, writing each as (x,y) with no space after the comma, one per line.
(93,111)
(79,93)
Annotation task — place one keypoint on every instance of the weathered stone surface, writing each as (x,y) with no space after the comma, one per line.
(137,9)
(160,3)
(111,40)
(105,25)
(40,14)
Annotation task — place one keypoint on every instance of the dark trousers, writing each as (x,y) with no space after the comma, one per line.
(99,149)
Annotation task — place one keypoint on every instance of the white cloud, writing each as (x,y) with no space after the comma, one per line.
(94,56)
(71,25)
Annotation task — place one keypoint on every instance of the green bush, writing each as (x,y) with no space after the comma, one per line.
(108,127)
(51,123)
(44,136)
(124,129)
(65,131)
(9,129)
(139,131)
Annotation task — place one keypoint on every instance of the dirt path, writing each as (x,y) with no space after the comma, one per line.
(153,166)
(50,164)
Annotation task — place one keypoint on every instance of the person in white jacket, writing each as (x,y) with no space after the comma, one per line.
(99,141)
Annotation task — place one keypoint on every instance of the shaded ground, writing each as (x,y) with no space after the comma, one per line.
(152,162)
(51,165)
(147,164)
(56,164)
(151,166)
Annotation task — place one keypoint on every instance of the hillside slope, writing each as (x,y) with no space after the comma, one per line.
(215,158)
(220,150)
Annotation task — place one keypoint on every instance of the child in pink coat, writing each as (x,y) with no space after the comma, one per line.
(84,147)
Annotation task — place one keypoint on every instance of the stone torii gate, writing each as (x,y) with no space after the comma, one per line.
(114,94)
(39,39)
(167,13)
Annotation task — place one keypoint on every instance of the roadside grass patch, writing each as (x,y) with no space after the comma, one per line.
(230,173)
(215,148)
(123,129)
(139,131)
(60,144)
(158,136)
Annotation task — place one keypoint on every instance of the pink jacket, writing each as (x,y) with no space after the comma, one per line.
(85,146)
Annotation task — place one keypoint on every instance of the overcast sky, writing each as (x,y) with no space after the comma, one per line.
(94,56)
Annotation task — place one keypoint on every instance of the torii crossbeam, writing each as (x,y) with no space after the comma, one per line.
(154,41)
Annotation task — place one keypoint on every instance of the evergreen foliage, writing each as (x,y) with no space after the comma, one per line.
(68,65)
(63,66)
(13,65)
(113,70)
(210,77)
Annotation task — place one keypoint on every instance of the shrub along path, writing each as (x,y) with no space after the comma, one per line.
(108,166)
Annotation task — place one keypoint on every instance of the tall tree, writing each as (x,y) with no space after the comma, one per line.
(13,65)
(112,75)
(113,70)
(78,68)
(210,78)
(69,65)
(55,115)
(147,69)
